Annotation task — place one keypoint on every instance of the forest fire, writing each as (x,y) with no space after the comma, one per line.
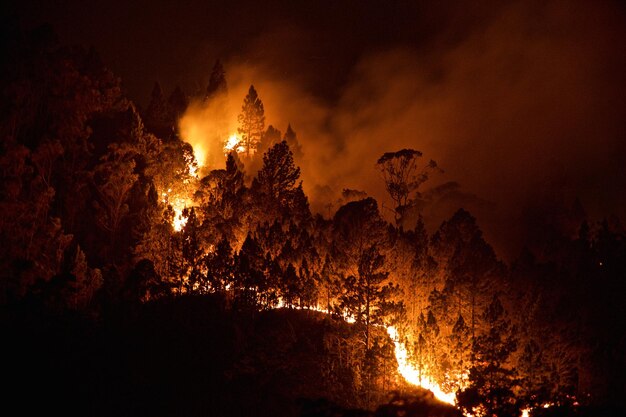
(199,229)
(178,205)
(233,143)
(405,368)
(413,375)
(179,220)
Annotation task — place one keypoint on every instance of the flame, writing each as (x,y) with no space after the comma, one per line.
(408,371)
(183,199)
(194,135)
(178,205)
(179,220)
(412,375)
(233,143)
(200,154)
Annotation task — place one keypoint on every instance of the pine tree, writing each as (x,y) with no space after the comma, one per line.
(276,181)
(292,140)
(367,296)
(220,267)
(251,122)
(177,104)
(217,81)
(249,276)
(158,114)
(291,286)
(468,265)
(271,137)
(491,379)
(192,252)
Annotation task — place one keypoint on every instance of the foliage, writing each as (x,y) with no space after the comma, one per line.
(251,122)
(217,81)
(401,176)
(492,382)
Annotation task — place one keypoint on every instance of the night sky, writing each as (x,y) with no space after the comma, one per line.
(522,103)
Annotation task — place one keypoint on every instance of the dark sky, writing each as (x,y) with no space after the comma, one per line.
(522,102)
(316,41)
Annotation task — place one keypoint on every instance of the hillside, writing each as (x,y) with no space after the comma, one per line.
(185,356)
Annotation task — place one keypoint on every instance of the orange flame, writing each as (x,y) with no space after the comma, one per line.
(412,375)
(233,143)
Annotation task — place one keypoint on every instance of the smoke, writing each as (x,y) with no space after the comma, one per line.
(524,107)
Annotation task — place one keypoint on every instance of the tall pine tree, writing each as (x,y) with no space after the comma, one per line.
(251,122)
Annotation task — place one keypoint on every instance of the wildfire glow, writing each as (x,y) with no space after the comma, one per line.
(233,143)
(412,375)
(178,205)
(408,371)
(200,155)
(179,220)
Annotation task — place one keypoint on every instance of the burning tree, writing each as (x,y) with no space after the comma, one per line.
(367,295)
(251,122)
(277,179)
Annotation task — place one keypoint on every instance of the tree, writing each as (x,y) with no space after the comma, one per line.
(217,81)
(192,252)
(114,177)
(220,197)
(249,276)
(33,242)
(177,104)
(277,178)
(357,226)
(271,137)
(308,284)
(534,376)
(291,285)
(292,140)
(468,264)
(251,122)
(157,116)
(491,381)
(400,172)
(220,266)
(368,296)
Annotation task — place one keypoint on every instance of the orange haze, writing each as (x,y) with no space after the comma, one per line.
(525,111)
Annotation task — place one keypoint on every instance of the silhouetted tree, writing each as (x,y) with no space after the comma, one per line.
(251,122)
(192,253)
(468,264)
(158,114)
(491,380)
(177,104)
(292,140)
(250,280)
(221,198)
(270,137)
(400,172)
(114,177)
(275,184)
(217,81)
(220,267)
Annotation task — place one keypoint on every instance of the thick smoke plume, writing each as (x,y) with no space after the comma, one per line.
(525,110)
